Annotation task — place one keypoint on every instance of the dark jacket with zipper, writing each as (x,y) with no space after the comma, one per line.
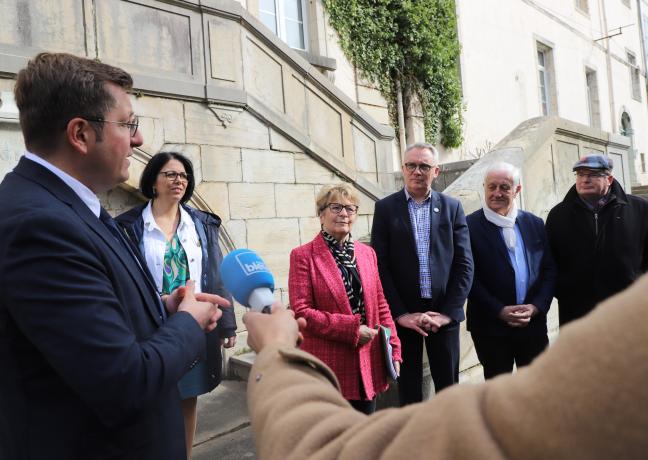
(597,252)
(207,227)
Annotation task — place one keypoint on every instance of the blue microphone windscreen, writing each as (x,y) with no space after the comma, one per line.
(242,271)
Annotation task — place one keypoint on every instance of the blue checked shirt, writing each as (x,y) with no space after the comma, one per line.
(420,218)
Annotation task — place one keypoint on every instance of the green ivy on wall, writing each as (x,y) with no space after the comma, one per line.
(411,42)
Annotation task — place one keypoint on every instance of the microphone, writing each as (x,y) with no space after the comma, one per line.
(248,279)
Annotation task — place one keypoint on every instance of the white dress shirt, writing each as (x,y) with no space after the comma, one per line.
(154,244)
(86,195)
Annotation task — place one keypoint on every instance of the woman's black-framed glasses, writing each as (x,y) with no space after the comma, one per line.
(132,125)
(336,208)
(173,176)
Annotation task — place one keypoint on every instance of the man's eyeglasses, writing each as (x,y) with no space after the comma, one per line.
(423,167)
(173,176)
(336,208)
(132,125)
(590,175)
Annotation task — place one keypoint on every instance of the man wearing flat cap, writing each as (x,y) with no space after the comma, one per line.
(598,236)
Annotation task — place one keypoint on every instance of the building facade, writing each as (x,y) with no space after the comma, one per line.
(265,124)
(581,60)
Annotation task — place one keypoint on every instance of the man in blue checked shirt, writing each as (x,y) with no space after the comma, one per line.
(421,239)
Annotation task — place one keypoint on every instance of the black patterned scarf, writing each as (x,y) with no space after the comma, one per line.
(345,258)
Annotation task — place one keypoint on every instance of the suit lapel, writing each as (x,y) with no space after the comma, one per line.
(37,173)
(435,212)
(402,211)
(329,271)
(492,233)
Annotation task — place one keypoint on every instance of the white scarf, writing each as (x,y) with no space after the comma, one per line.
(507,223)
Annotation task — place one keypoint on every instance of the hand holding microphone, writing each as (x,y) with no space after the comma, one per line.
(248,279)
(250,282)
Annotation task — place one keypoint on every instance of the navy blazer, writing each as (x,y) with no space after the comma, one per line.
(494,284)
(89,368)
(451,263)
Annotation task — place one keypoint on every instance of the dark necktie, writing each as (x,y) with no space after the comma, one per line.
(112,226)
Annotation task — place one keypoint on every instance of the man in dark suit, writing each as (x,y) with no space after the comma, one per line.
(90,354)
(514,277)
(421,240)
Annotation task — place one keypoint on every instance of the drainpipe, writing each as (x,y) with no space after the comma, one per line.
(641,34)
(608,63)
(401,119)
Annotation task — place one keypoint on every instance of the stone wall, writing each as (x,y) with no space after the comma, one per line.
(264,128)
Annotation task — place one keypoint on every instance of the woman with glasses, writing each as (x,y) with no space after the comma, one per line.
(333,283)
(180,243)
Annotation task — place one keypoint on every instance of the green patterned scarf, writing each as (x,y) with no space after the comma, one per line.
(176,268)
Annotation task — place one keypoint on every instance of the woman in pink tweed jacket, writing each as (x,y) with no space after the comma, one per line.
(334,284)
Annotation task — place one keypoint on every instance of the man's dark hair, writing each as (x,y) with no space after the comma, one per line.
(155,165)
(57,87)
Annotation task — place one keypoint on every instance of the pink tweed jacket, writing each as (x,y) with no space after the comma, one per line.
(317,294)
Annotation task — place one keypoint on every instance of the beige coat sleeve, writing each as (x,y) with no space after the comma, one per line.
(585,398)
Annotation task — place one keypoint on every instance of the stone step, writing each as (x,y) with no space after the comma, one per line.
(240,365)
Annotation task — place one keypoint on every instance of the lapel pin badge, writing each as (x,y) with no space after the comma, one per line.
(436,209)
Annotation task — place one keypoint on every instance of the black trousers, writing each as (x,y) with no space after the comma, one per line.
(497,354)
(442,350)
(365,406)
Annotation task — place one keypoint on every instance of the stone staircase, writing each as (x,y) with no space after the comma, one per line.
(641,190)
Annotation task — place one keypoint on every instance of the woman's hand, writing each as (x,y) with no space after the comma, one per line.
(397,367)
(366,334)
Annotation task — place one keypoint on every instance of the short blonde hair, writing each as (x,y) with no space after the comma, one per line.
(329,193)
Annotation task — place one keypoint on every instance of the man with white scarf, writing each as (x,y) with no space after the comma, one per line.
(514,277)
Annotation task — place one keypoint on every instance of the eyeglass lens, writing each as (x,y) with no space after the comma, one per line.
(423,167)
(337,208)
(590,175)
(172,175)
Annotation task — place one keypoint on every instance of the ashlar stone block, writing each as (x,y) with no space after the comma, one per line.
(365,151)
(279,142)
(360,229)
(367,204)
(153,133)
(268,166)
(308,171)
(309,227)
(380,114)
(264,75)
(273,236)
(371,96)
(251,201)
(279,265)
(237,231)
(217,197)
(245,130)
(295,200)
(170,111)
(325,124)
(221,164)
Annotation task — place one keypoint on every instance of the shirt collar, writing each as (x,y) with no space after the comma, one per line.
(84,193)
(149,220)
(408,197)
